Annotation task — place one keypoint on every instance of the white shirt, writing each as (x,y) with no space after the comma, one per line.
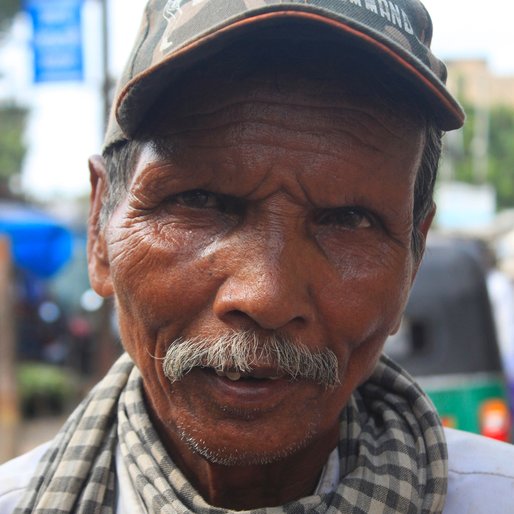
(480,480)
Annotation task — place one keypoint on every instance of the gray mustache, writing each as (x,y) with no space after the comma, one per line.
(242,351)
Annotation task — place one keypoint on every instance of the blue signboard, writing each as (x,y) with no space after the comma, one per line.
(57,40)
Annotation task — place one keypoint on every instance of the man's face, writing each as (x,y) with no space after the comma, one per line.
(269,209)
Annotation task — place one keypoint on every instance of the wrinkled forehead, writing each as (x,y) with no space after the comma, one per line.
(288,76)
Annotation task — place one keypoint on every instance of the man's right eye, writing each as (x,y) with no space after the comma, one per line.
(201,199)
(197,199)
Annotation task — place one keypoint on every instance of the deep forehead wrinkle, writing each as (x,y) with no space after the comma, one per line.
(241,122)
(214,94)
(256,109)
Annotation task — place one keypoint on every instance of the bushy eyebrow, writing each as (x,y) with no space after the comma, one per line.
(164,146)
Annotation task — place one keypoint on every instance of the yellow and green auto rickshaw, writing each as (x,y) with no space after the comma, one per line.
(448,341)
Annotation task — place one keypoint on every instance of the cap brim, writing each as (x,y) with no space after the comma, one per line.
(138,96)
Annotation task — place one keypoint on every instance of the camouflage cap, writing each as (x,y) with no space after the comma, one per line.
(174,32)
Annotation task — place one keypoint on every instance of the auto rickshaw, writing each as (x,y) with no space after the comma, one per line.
(448,341)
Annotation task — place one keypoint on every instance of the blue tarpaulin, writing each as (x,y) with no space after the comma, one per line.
(39,243)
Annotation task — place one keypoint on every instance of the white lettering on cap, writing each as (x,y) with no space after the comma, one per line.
(384,9)
(371,6)
(391,12)
(396,18)
(406,23)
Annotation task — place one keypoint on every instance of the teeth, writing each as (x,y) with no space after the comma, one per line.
(233,375)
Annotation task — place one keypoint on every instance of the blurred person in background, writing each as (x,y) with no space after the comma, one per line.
(259,215)
(501,292)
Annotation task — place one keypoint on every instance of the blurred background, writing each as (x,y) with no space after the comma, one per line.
(59,62)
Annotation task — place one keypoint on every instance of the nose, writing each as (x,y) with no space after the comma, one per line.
(268,287)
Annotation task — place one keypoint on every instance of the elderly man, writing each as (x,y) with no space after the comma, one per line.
(259,214)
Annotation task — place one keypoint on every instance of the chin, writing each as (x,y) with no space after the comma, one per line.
(243,454)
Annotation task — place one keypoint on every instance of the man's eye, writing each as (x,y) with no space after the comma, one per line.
(197,199)
(351,218)
(201,199)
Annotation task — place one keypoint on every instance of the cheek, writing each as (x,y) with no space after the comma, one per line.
(362,310)
(366,294)
(159,281)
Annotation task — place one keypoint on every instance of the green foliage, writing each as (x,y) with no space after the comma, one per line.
(45,389)
(12,146)
(12,118)
(463,161)
(500,153)
(8,8)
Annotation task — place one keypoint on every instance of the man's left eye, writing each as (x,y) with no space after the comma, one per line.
(351,218)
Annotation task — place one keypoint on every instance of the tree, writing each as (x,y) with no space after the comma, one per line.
(8,8)
(12,147)
(501,155)
(12,117)
(500,152)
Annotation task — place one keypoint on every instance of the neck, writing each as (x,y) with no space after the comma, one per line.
(246,487)
(251,487)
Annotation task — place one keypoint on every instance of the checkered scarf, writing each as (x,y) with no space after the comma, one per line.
(392,448)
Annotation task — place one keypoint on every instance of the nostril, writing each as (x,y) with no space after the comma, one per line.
(238,320)
(262,320)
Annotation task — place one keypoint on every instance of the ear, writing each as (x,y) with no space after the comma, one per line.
(97,254)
